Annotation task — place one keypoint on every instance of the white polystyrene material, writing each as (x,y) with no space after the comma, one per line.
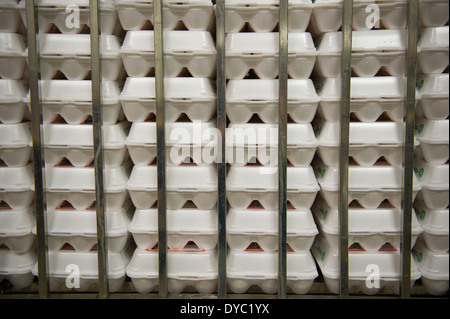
(247,268)
(17,268)
(435,223)
(259,51)
(195,183)
(184,225)
(12,61)
(12,108)
(433,50)
(193,50)
(16,229)
(193,96)
(433,267)
(434,103)
(260,225)
(15,144)
(435,183)
(434,139)
(433,13)
(197,269)
(361,265)
(9,16)
(17,186)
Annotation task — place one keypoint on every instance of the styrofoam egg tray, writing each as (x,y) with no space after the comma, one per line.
(435,223)
(259,51)
(76,185)
(12,108)
(245,142)
(183,225)
(193,96)
(433,13)
(369,186)
(12,61)
(9,16)
(248,183)
(15,144)
(196,15)
(261,226)
(371,50)
(16,229)
(433,267)
(56,12)
(194,50)
(17,186)
(71,55)
(433,136)
(370,98)
(195,183)
(433,50)
(363,267)
(368,142)
(370,228)
(76,143)
(63,264)
(247,268)
(16,268)
(327,15)
(263,16)
(435,183)
(196,269)
(250,96)
(434,104)
(72,100)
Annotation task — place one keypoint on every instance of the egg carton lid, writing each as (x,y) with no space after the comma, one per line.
(15,135)
(12,91)
(432,131)
(432,176)
(11,44)
(434,85)
(16,264)
(17,178)
(62,4)
(16,222)
(434,38)
(320,3)
(432,265)
(433,221)
(166,2)
(9,4)
(259,3)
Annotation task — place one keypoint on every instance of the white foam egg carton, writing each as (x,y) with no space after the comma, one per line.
(194,50)
(76,144)
(247,226)
(183,183)
(370,228)
(12,108)
(435,183)
(71,55)
(76,185)
(369,186)
(12,61)
(434,269)
(64,263)
(15,144)
(9,16)
(433,136)
(259,51)
(246,184)
(78,228)
(247,268)
(16,268)
(183,225)
(433,13)
(245,142)
(193,96)
(368,142)
(371,50)
(433,50)
(434,104)
(56,12)
(260,96)
(17,186)
(16,229)
(362,267)
(263,16)
(435,223)
(370,98)
(196,15)
(184,268)
(72,100)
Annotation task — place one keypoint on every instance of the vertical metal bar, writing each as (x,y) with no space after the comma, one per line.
(282,149)
(408,160)
(38,147)
(347,20)
(161,155)
(97,123)
(221,164)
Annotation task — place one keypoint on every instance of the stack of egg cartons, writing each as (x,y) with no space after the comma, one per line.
(375,145)
(17,242)
(66,99)
(432,130)
(252,66)
(191,180)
